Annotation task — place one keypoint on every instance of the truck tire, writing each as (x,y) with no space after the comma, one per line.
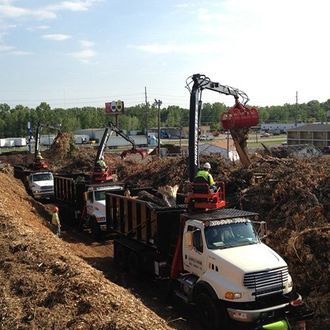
(120,256)
(134,264)
(212,314)
(95,228)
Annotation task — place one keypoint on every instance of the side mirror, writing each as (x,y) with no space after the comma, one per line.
(188,239)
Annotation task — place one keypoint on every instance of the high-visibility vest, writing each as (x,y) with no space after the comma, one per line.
(205,174)
(55,219)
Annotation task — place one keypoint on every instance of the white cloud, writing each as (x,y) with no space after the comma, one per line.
(8,10)
(12,11)
(56,37)
(79,5)
(5,48)
(20,53)
(86,43)
(7,26)
(87,53)
(84,55)
(38,27)
(192,48)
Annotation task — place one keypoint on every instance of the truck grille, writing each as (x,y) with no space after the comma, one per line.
(47,188)
(266,282)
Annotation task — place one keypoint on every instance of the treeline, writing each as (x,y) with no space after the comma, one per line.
(14,121)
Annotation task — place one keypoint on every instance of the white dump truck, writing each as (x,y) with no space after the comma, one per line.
(83,201)
(214,259)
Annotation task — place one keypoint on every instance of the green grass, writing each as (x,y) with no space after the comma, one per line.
(268,141)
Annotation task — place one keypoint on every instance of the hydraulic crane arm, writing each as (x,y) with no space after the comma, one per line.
(204,82)
(122,134)
(201,82)
(107,133)
(37,137)
(103,144)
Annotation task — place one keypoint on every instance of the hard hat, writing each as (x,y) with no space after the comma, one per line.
(55,209)
(207,166)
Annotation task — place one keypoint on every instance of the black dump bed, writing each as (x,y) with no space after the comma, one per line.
(22,171)
(143,221)
(70,188)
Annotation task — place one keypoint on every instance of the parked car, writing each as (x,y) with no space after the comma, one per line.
(264,134)
(205,137)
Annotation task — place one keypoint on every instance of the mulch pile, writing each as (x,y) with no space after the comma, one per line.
(291,195)
(44,286)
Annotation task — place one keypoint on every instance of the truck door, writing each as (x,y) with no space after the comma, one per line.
(194,251)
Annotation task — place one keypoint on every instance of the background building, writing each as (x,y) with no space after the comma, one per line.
(315,134)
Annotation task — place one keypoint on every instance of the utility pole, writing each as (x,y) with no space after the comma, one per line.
(158,103)
(146,114)
(295,117)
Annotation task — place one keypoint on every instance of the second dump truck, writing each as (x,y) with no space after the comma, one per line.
(215,260)
(83,201)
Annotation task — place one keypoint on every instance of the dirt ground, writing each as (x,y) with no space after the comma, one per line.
(74,282)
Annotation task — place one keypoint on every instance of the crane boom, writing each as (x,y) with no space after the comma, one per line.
(106,135)
(37,138)
(237,128)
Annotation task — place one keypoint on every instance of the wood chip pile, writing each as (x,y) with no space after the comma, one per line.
(291,195)
(44,286)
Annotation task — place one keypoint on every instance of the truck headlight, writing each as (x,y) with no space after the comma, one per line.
(289,283)
(233,295)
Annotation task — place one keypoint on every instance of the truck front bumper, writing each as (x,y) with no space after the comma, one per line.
(251,316)
(294,310)
(41,194)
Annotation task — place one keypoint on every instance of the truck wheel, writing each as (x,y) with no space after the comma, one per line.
(120,256)
(95,228)
(212,315)
(134,267)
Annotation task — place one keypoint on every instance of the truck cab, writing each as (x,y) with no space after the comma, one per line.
(228,257)
(95,206)
(41,184)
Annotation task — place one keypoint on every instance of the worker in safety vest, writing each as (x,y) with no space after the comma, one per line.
(205,173)
(56,221)
(101,163)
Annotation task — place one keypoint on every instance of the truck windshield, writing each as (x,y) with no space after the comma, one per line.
(42,177)
(230,235)
(99,195)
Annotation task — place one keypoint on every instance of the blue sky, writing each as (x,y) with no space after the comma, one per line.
(88,52)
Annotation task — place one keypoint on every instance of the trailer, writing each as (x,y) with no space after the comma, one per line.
(215,260)
(82,202)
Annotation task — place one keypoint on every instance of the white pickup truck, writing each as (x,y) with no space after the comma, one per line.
(41,184)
